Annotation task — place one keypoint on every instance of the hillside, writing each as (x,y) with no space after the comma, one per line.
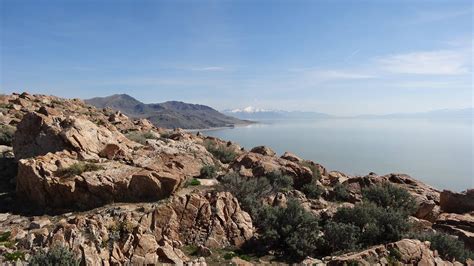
(172,114)
(86,186)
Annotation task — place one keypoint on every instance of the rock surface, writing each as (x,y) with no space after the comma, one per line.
(457,202)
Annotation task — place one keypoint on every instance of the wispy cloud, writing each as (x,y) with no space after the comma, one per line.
(433,16)
(325,75)
(442,62)
(208,68)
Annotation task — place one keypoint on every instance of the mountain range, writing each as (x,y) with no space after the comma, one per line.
(171,114)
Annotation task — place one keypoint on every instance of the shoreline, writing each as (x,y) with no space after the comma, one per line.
(218,128)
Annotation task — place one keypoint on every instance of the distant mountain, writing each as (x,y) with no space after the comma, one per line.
(465,113)
(170,114)
(254,113)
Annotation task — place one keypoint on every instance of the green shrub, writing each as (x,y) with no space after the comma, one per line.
(341,193)
(14,256)
(193,182)
(291,230)
(6,135)
(312,190)
(389,196)
(376,224)
(140,137)
(221,152)
(57,255)
(229,255)
(341,236)
(78,168)
(279,182)
(248,191)
(448,247)
(208,171)
(5,236)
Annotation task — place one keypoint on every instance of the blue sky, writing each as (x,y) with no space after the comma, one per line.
(339,57)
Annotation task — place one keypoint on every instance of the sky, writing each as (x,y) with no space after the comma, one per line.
(339,57)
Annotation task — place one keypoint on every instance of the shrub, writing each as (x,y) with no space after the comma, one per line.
(57,255)
(6,135)
(279,182)
(208,171)
(248,191)
(78,168)
(193,182)
(341,236)
(341,193)
(221,152)
(312,190)
(376,224)
(448,247)
(140,137)
(14,256)
(291,230)
(389,196)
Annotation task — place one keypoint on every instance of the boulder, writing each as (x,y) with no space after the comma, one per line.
(263,150)
(256,165)
(457,202)
(291,157)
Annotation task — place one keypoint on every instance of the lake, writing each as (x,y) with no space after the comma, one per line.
(437,152)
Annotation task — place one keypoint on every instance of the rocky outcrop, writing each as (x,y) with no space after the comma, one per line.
(457,202)
(49,146)
(427,198)
(406,252)
(461,225)
(255,165)
(139,235)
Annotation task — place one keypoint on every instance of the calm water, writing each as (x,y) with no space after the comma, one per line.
(436,152)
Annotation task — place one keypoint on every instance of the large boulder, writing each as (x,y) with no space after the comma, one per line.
(37,134)
(457,202)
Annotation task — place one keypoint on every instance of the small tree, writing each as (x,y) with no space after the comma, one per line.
(448,247)
(208,171)
(341,236)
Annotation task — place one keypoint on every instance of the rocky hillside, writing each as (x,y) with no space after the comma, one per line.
(92,186)
(171,114)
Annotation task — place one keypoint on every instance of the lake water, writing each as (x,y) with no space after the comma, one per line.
(439,153)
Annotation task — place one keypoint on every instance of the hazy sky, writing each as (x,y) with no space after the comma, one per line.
(339,57)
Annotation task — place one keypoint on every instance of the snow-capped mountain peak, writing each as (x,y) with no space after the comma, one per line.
(248,109)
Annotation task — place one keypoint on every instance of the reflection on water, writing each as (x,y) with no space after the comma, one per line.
(438,152)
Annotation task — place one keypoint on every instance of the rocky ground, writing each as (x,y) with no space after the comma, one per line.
(113,190)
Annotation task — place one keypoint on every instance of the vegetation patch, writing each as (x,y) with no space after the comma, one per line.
(341,193)
(79,168)
(6,135)
(221,152)
(14,256)
(193,182)
(208,171)
(140,137)
(448,247)
(57,255)
(391,197)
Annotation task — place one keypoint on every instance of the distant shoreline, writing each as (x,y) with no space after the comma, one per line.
(223,127)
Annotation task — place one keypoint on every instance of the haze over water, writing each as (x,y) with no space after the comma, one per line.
(437,152)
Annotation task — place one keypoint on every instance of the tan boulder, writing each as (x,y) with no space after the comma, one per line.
(260,165)
(263,150)
(457,202)
(291,157)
